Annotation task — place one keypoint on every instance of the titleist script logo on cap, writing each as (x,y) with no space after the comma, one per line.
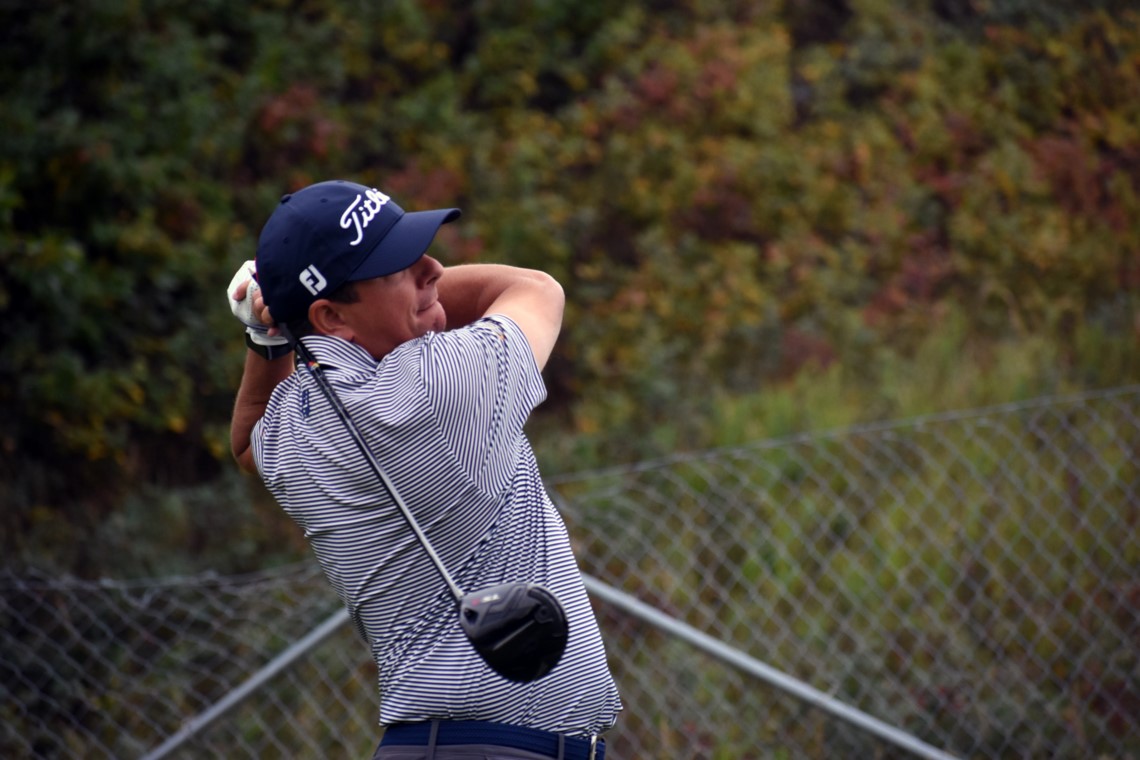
(362,210)
(358,215)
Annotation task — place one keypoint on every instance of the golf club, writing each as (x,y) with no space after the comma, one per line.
(519,629)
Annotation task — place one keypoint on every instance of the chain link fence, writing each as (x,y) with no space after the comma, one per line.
(972,579)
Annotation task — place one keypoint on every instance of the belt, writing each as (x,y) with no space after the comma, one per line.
(450,732)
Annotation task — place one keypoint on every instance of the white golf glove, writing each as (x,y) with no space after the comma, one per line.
(257,334)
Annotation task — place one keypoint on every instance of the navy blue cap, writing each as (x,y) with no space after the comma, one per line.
(335,232)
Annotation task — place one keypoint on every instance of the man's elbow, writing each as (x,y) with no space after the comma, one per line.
(552,290)
(244,459)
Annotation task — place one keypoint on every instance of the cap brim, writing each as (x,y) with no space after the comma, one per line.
(404,244)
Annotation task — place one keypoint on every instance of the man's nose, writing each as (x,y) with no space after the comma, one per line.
(429,270)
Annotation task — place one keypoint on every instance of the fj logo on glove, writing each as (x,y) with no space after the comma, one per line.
(312,279)
(362,211)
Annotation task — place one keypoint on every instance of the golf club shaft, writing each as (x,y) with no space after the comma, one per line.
(317,374)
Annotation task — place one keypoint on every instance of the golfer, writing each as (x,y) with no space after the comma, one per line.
(439,367)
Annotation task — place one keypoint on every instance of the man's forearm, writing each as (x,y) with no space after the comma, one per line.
(467,291)
(258,380)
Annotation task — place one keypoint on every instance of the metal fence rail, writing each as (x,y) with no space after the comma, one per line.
(972,579)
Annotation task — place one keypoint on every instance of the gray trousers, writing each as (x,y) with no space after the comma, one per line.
(456,752)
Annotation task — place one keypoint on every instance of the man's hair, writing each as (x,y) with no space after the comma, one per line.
(346,293)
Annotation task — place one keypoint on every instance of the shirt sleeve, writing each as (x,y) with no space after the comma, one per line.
(483,382)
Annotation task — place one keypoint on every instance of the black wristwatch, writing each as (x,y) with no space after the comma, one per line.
(269,353)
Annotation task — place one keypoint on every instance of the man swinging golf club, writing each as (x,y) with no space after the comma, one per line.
(399,450)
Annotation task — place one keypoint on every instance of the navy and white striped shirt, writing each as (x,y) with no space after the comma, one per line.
(444,416)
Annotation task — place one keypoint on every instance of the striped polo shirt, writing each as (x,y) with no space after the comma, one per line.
(443,415)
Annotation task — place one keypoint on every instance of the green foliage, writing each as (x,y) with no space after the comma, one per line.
(929,572)
(766,217)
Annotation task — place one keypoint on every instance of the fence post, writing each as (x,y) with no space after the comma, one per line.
(199,722)
(746,664)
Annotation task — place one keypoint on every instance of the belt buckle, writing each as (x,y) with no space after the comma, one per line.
(593,747)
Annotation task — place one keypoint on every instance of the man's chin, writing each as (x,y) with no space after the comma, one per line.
(435,317)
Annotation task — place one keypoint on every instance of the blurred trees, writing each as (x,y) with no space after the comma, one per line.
(737,196)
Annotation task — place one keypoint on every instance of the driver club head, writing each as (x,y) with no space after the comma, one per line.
(519,629)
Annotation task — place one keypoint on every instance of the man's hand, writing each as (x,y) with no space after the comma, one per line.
(249,307)
(260,376)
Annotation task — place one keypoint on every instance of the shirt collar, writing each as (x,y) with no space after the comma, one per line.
(338,353)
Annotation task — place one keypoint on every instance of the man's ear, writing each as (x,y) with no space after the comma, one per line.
(326,319)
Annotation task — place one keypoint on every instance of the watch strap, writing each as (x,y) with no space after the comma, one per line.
(269,353)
